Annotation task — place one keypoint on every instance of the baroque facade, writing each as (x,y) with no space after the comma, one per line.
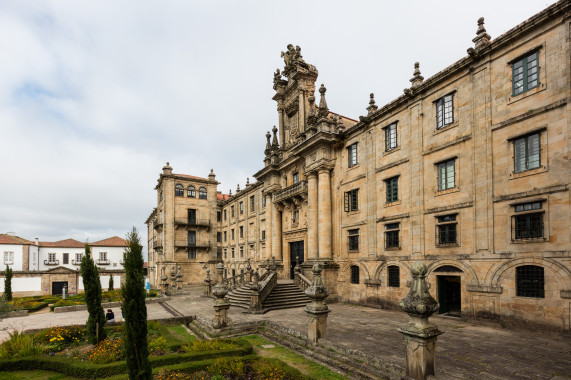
(467,171)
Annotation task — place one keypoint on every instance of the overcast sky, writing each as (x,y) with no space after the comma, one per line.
(95,96)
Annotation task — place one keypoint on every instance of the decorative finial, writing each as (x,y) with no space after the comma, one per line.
(482,38)
(247,181)
(268,149)
(419,302)
(416,79)
(275,144)
(372,106)
(230,192)
(212,171)
(237,188)
(340,125)
(323,110)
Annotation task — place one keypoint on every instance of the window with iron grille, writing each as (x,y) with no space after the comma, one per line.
(525,74)
(252,203)
(352,154)
(192,253)
(263,234)
(391,137)
(446,230)
(445,111)
(392,185)
(191,192)
(354,274)
(446,175)
(394,276)
(392,235)
(530,281)
(179,190)
(352,200)
(202,193)
(219,237)
(353,239)
(527,153)
(527,224)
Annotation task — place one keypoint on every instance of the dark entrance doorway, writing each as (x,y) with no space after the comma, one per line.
(57,287)
(295,253)
(449,295)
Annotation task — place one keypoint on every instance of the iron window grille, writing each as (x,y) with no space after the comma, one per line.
(525,74)
(352,155)
(530,281)
(445,111)
(392,185)
(446,230)
(354,274)
(202,193)
(179,191)
(392,235)
(394,276)
(527,153)
(391,137)
(446,176)
(528,224)
(353,239)
(352,200)
(192,253)
(191,192)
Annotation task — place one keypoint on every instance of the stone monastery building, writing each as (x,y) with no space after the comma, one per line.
(467,171)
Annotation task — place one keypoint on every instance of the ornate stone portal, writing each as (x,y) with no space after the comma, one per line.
(316,311)
(419,334)
(221,305)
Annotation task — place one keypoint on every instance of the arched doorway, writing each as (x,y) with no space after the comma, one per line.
(449,290)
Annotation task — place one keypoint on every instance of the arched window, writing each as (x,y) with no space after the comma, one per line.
(202,193)
(178,190)
(354,274)
(191,192)
(393,276)
(530,281)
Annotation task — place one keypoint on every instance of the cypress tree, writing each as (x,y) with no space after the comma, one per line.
(8,284)
(92,288)
(135,310)
(110,287)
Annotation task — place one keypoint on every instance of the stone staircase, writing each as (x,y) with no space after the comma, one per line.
(285,295)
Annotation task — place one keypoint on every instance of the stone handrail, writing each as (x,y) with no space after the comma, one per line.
(268,285)
(301,281)
(234,281)
(290,191)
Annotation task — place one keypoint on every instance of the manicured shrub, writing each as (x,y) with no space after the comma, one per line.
(208,345)
(158,346)
(107,351)
(110,286)
(8,284)
(92,285)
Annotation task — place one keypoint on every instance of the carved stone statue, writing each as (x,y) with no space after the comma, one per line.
(292,56)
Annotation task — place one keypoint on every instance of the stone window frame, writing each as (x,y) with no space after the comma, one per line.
(263,235)
(225,215)
(241,251)
(353,240)
(102,256)
(225,253)
(295,178)
(232,250)
(241,207)
(392,228)
(232,212)
(191,253)
(523,61)
(202,193)
(393,276)
(438,165)
(233,234)
(178,190)
(264,201)
(542,78)
(389,147)
(219,237)
(218,216)
(225,236)
(441,105)
(530,281)
(543,152)
(532,211)
(354,274)
(8,257)
(351,200)
(392,193)
(252,203)
(241,232)
(191,192)
(352,155)
(442,224)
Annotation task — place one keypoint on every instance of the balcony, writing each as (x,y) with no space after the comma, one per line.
(192,244)
(192,222)
(157,223)
(157,244)
(76,262)
(53,262)
(103,262)
(296,190)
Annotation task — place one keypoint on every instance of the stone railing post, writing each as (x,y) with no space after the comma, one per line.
(207,284)
(249,271)
(221,305)
(255,303)
(316,311)
(273,266)
(419,334)
(296,271)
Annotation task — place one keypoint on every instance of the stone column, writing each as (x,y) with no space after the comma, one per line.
(419,334)
(324,217)
(276,233)
(221,305)
(269,230)
(316,311)
(312,235)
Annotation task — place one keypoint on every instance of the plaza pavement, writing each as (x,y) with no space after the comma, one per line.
(464,351)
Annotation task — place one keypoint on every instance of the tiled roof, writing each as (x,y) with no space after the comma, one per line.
(222,197)
(67,243)
(190,176)
(114,241)
(9,239)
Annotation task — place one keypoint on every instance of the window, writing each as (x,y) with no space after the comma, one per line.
(392,235)
(295,178)
(252,203)
(232,252)
(191,238)
(103,256)
(192,253)
(225,253)
(191,192)
(530,281)
(446,175)
(9,257)
(295,216)
(78,257)
(219,255)
(225,215)
(392,185)
(202,193)
(225,236)
(241,232)
(179,190)
(241,208)
(241,251)
(525,74)
(218,216)
(391,137)
(352,154)
(444,111)
(446,230)
(232,232)
(394,276)
(354,274)
(232,211)
(353,239)
(527,153)
(66,258)
(51,257)
(264,201)
(219,237)
(263,234)
(351,200)
(527,223)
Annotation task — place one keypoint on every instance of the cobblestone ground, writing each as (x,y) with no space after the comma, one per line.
(464,351)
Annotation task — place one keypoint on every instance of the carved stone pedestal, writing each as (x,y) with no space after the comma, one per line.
(221,305)
(317,311)
(207,285)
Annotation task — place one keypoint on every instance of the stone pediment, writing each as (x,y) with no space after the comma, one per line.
(62,270)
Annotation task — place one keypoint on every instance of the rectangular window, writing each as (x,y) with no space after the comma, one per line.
(225,236)
(525,74)
(354,274)
(51,257)
(103,256)
(528,224)
(352,154)
(264,201)
(295,178)
(232,232)
(446,175)
(263,234)
(394,276)
(392,185)
(241,251)
(192,253)
(252,203)
(241,208)
(446,230)
(232,252)
(391,137)
(392,235)
(219,255)
(66,258)
(527,153)
(179,191)
(225,253)
(9,258)
(444,111)
(192,238)
(530,281)
(241,232)
(78,257)
(232,211)
(225,215)
(352,200)
(219,237)
(218,216)
(353,239)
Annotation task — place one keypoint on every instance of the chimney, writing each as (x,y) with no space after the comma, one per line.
(37,241)
(167,170)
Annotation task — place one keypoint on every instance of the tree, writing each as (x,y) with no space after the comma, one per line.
(135,310)
(92,287)
(110,287)
(8,284)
